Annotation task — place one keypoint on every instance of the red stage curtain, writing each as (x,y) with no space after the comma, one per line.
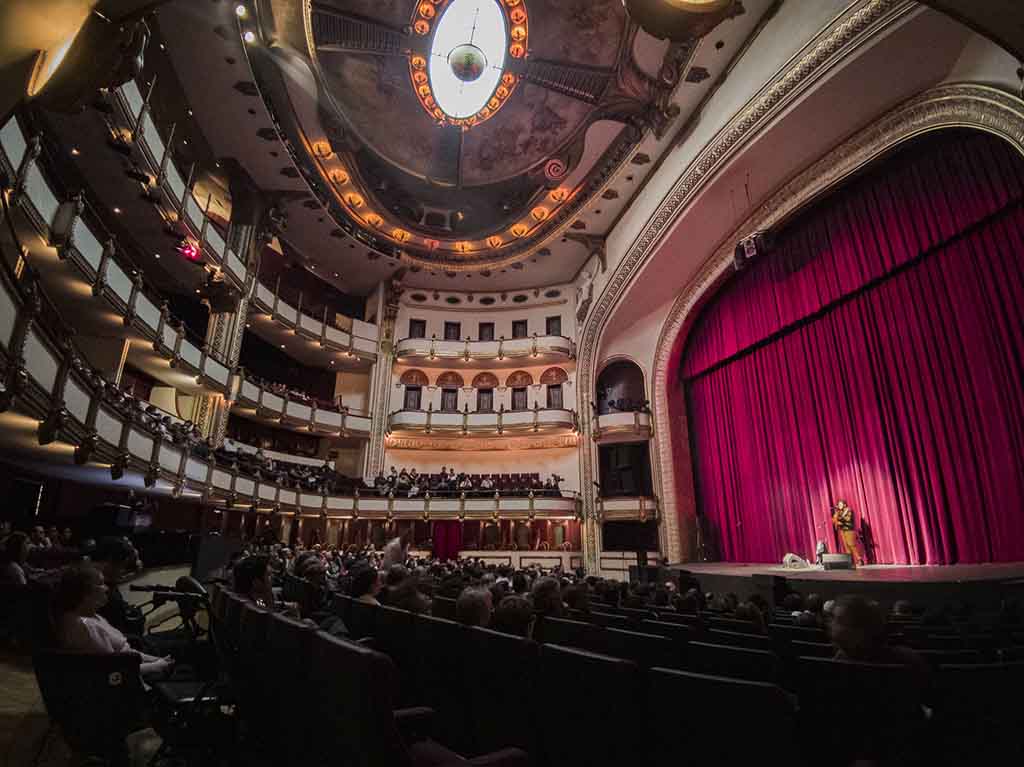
(447,538)
(877,356)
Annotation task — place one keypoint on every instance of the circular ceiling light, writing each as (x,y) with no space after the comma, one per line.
(462,80)
(467,56)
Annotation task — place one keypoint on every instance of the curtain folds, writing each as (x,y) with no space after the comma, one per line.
(877,356)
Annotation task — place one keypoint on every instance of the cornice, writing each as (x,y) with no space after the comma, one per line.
(977,107)
(857,25)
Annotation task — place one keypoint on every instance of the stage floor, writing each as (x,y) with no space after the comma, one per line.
(980,585)
(880,573)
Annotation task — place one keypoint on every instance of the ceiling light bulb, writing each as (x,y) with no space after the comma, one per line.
(75,152)
(117,211)
(156,255)
(241,11)
(249,36)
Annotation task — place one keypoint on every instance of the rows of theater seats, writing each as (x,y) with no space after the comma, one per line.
(297,475)
(643,686)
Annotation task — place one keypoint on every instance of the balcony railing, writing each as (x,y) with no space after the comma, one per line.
(549,348)
(280,407)
(177,197)
(638,508)
(492,423)
(44,380)
(623,427)
(98,261)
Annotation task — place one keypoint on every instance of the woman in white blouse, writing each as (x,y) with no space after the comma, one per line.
(80,593)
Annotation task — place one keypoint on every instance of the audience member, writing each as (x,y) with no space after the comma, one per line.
(474,607)
(365,585)
(514,616)
(13,558)
(80,594)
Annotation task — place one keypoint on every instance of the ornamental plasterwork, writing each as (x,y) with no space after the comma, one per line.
(856,26)
(950,106)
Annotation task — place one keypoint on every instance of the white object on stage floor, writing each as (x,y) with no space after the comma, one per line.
(795,562)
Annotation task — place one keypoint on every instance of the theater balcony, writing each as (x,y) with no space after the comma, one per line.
(631,508)
(80,265)
(622,427)
(253,400)
(490,424)
(433,352)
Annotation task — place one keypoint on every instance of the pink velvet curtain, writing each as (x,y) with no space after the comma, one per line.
(877,355)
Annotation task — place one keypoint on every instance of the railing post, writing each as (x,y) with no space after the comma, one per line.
(129,315)
(99,283)
(536,416)
(534,350)
(62,231)
(16,379)
(323,330)
(137,128)
(176,354)
(161,176)
(312,416)
(35,146)
(465,418)
(501,414)
(205,225)
(277,298)
(430,412)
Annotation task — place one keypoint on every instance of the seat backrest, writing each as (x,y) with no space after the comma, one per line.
(695,622)
(362,618)
(591,677)
(801,633)
(504,671)
(732,624)
(883,699)
(569,633)
(678,632)
(290,644)
(354,689)
(253,663)
(443,607)
(96,699)
(445,681)
(802,649)
(395,636)
(612,621)
(646,650)
(734,662)
(740,639)
(730,721)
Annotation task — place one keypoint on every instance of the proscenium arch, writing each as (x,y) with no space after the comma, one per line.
(976,107)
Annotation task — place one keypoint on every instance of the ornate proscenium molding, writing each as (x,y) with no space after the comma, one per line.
(860,23)
(950,106)
(502,443)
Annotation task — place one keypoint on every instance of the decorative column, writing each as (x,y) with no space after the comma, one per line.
(387,297)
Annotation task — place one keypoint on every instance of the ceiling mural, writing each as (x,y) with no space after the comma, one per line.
(445,132)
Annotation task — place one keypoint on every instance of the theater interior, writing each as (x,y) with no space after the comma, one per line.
(517,382)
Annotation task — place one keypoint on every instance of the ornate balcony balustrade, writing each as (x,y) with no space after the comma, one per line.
(623,427)
(543,349)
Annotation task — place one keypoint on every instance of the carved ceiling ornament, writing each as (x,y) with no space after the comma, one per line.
(553,376)
(519,379)
(860,23)
(450,379)
(952,106)
(536,142)
(485,381)
(414,378)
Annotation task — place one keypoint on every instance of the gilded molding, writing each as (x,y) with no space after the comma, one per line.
(856,26)
(949,106)
(498,443)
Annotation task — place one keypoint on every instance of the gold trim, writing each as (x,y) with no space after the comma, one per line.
(978,107)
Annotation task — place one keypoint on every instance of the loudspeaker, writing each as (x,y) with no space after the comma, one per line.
(837,561)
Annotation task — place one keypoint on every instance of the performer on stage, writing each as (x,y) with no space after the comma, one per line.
(842,520)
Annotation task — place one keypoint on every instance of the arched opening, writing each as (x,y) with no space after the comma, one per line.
(485,384)
(553,379)
(413,381)
(620,388)
(873,356)
(449,383)
(517,384)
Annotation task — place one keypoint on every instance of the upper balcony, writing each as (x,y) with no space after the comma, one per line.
(174,193)
(433,352)
(490,424)
(308,415)
(622,427)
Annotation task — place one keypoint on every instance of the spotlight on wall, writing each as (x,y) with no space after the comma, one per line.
(750,247)
(680,20)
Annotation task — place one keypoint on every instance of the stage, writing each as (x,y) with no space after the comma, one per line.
(983,586)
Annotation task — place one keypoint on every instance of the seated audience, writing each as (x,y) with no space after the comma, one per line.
(13,558)
(474,607)
(859,634)
(365,585)
(514,616)
(546,596)
(80,594)
(116,559)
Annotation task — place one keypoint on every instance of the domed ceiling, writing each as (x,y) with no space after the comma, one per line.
(462,134)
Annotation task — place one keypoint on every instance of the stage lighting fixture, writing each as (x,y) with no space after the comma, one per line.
(679,20)
(750,247)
